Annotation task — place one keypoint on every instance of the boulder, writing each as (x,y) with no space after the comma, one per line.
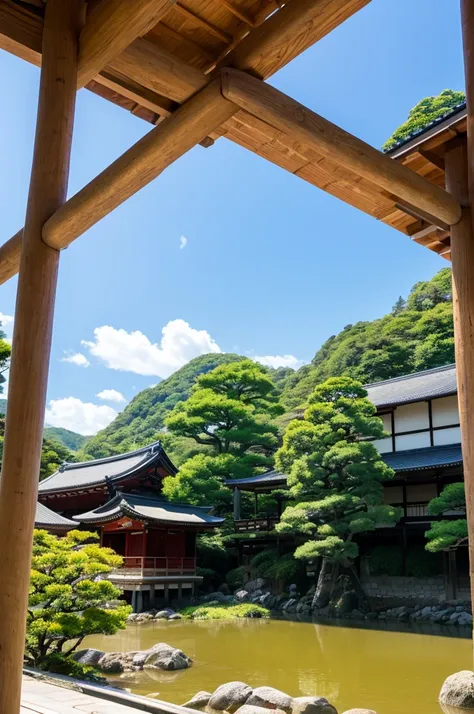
(176,616)
(359,711)
(270,698)
(199,701)
(230,696)
(257,584)
(163,656)
(458,690)
(112,662)
(89,657)
(162,615)
(139,658)
(241,595)
(312,705)
(252,709)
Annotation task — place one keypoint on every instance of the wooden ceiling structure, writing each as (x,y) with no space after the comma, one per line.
(196,71)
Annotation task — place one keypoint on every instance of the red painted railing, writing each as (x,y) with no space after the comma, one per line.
(159,566)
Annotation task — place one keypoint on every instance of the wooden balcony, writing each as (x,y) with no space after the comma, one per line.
(156,567)
(253,525)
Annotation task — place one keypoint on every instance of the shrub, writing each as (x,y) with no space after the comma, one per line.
(235,578)
(224,612)
(421,564)
(59,663)
(269,565)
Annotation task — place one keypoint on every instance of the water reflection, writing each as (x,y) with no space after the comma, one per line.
(354,666)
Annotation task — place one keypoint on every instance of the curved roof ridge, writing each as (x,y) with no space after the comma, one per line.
(67,465)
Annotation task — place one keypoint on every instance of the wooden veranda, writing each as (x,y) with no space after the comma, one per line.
(196,71)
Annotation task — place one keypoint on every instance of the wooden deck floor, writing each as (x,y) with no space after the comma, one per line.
(39,697)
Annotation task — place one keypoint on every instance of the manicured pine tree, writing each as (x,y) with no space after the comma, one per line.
(447,534)
(336,473)
(230,413)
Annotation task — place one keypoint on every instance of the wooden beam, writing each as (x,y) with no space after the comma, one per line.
(32,337)
(142,163)
(110,27)
(287,115)
(200,22)
(288,32)
(240,14)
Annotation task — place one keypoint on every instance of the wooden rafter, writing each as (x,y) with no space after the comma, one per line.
(110,27)
(294,119)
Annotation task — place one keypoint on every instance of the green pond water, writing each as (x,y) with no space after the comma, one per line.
(390,672)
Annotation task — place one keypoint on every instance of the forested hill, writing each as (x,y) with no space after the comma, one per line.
(417,334)
(143,418)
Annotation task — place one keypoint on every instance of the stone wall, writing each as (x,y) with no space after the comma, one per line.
(386,589)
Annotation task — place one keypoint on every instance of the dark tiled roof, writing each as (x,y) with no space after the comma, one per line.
(438,382)
(270,478)
(90,473)
(45,518)
(410,460)
(427,458)
(150,509)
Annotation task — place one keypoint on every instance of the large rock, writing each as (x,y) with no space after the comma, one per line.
(359,711)
(163,656)
(312,705)
(230,696)
(162,615)
(257,584)
(199,701)
(241,595)
(113,662)
(270,698)
(89,657)
(458,690)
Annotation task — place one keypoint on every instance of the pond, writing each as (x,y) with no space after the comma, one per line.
(390,672)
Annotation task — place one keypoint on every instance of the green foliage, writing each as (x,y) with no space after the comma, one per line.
(235,578)
(70,439)
(53,454)
(416,335)
(58,663)
(229,412)
(68,600)
(5,352)
(268,564)
(142,421)
(447,534)
(224,612)
(335,472)
(423,113)
(420,564)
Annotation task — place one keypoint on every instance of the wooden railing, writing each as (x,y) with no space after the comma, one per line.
(147,566)
(260,523)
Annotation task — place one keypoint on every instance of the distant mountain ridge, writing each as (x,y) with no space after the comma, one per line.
(71,439)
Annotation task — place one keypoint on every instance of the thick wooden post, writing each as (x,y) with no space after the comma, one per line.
(32,337)
(462,256)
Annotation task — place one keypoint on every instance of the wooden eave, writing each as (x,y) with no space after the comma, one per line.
(181,53)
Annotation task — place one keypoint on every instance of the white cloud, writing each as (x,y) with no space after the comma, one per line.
(133,351)
(111,395)
(183,242)
(76,358)
(276,361)
(84,417)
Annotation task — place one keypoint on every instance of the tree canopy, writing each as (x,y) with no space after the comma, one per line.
(70,439)
(447,534)
(67,599)
(229,413)
(426,111)
(335,472)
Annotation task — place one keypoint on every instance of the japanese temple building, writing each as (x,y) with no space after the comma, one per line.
(120,496)
(54,523)
(423,447)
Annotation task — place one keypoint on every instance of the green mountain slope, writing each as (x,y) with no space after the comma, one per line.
(70,439)
(142,419)
(416,335)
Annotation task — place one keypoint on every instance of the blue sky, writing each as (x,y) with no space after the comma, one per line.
(271,266)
